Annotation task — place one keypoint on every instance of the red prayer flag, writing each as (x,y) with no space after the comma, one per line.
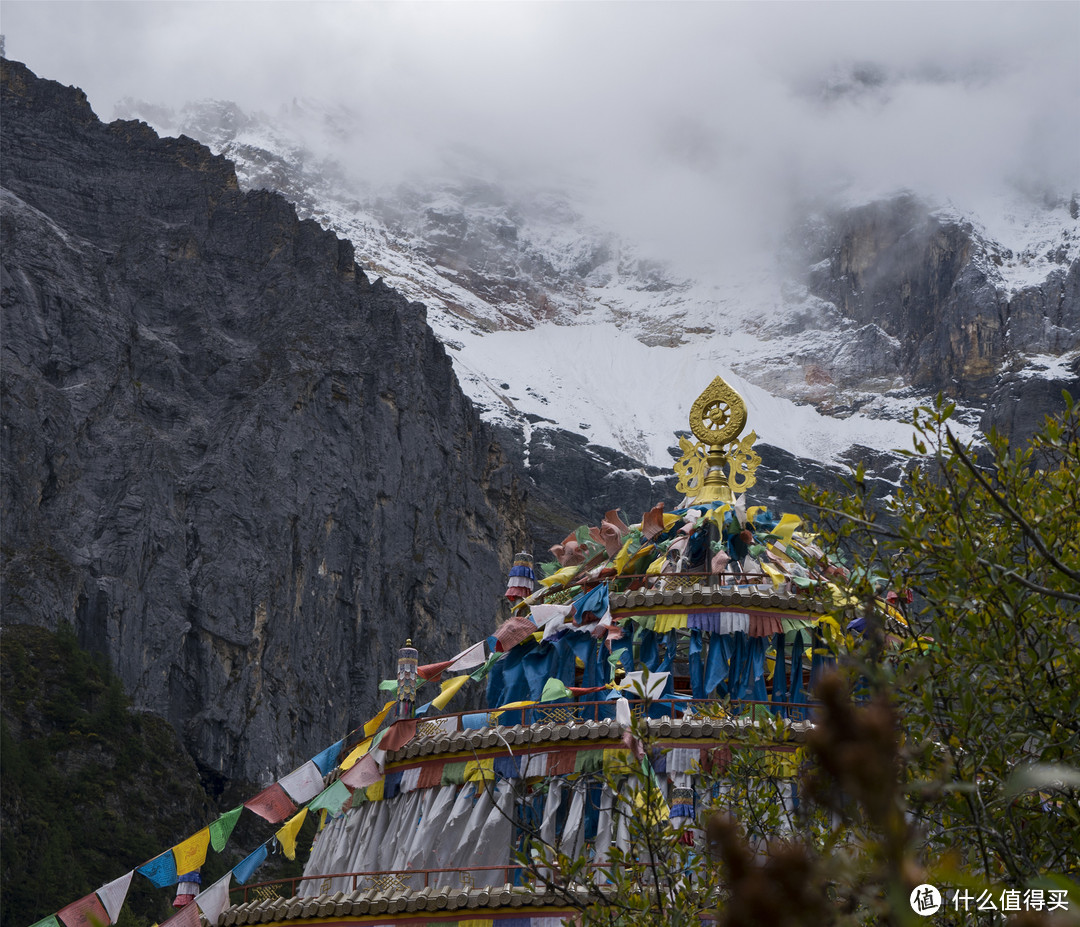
(561,762)
(187,916)
(86,912)
(430,775)
(398,734)
(513,631)
(583,690)
(432,671)
(272,804)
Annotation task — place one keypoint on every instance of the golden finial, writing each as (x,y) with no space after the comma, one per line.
(717,418)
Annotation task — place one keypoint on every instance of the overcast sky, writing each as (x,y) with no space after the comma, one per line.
(676,117)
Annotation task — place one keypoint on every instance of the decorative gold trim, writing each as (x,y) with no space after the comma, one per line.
(717,418)
(718,414)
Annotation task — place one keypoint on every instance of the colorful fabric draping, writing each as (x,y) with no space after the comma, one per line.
(246,868)
(286,835)
(362,774)
(327,760)
(222,828)
(512,632)
(161,870)
(332,798)
(191,854)
(304,783)
(271,804)
(187,916)
(84,912)
(113,895)
(215,899)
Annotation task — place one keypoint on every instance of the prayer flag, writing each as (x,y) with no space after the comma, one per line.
(470,657)
(786,527)
(373,725)
(332,798)
(49,921)
(449,689)
(187,916)
(86,912)
(272,804)
(482,671)
(362,774)
(287,835)
(113,895)
(246,869)
(358,751)
(161,870)
(554,688)
(214,900)
(327,760)
(191,854)
(304,783)
(512,632)
(222,828)
(400,733)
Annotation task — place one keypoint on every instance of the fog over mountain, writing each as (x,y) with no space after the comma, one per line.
(693,129)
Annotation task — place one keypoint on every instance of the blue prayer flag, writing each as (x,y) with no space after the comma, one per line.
(161,870)
(246,869)
(327,760)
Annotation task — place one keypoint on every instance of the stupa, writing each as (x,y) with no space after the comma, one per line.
(677,632)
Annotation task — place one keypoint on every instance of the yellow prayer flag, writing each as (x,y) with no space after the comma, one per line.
(560,576)
(449,689)
(360,750)
(623,555)
(480,770)
(657,565)
(665,623)
(287,835)
(773,573)
(373,725)
(376,792)
(786,527)
(191,854)
(670,521)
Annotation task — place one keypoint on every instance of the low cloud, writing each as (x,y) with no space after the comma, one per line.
(692,127)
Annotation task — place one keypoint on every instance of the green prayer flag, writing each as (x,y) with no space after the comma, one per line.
(222,828)
(49,921)
(453,773)
(331,798)
(388,685)
(554,688)
(477,674)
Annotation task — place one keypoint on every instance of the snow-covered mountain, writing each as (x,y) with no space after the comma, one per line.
(555,323)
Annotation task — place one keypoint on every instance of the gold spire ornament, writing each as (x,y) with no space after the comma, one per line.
(717,418)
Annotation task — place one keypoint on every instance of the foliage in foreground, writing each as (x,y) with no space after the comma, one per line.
(946,748)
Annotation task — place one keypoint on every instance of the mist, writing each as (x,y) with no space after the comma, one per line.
(694,128)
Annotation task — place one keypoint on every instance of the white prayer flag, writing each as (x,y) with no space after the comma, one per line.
(214,900)
(468,658)
(304,783)
(113,895)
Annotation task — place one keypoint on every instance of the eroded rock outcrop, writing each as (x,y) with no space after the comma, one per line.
(239,468)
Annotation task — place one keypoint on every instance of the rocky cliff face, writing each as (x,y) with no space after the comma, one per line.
(928,293)
(239,468)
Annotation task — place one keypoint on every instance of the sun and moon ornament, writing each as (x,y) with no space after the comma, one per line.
(717,418)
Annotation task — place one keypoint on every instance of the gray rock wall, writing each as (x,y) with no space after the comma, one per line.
(926,282)
(238,467)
